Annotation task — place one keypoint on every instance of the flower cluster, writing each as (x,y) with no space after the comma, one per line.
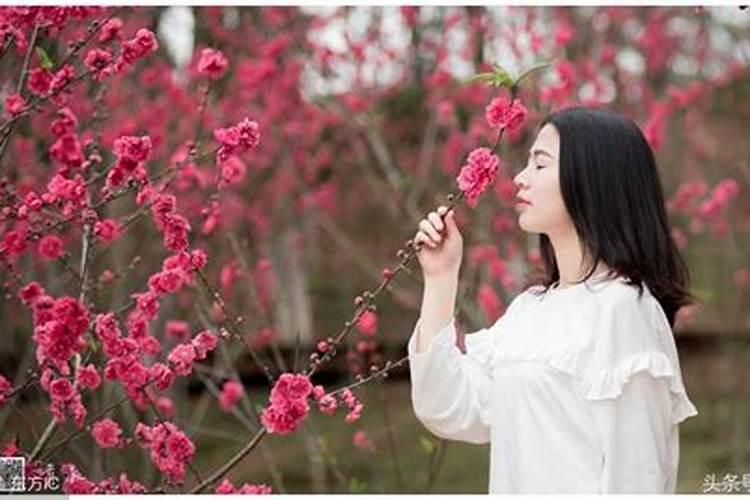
(227,488)
(170,448)
(328,404)
(478,173)
(360,439)
(59,326)
(231,392)
(502,114)
(123,362)
(143,43)
(107,230)
(88,377)
(289,405)
(131,153)
(66,399)
(175,227)
(15,104)
(77,484)
(5,388)
(106,433)
(237,139)
(183,356)
(100,63)
(70,193)
(212,63)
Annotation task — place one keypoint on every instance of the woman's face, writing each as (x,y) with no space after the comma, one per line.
(539,184)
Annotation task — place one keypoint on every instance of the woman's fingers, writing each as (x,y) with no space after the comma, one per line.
(423,238)
(426,226)
(436,222)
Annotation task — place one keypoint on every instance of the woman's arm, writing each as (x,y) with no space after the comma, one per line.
(637,437)
(450,391)
(438,307)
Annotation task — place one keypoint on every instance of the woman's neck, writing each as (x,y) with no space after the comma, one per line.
(569,258)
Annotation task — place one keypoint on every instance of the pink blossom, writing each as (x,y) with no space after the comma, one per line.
(231,392)
(171,450)
(327,404)
(5,388)
(500,113)
(290,386)
(354,414)
(564,33)
(227,488)
(212,63)
(66,401)
(147,303)
(30,293)
(368,323)
(88,377)
(203,343)
(232,171)
(288,404)
(15,104)
(198,259)
(489,302)
(107,230)
(237,138)
(165,406)
(131,150)
(141,45)
(285,416)
(362,440)
(75,483)
(59,329)
(99,62)
(72,192)
(14,242)
(61,79)
(33,201)
(106,433)
(38,81)
(176,329)
(318,392)
(162,375)
(478,173)
(168,281)
(181,359)
(65,123)
(67,151)
(110,30)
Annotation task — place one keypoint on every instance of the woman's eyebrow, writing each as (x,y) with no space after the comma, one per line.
(540,152)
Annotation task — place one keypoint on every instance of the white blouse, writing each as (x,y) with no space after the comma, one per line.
(578,390)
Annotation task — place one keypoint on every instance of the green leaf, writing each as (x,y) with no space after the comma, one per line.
(45,59)
(357,486)
(528,72)
(427,444)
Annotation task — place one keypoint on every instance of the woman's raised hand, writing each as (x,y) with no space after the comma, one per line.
(442,245)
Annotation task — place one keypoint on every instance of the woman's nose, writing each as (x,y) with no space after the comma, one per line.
(518,180)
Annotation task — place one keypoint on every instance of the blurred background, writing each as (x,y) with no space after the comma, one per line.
(366,116)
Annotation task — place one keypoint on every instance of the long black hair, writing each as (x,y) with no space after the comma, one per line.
(611,189)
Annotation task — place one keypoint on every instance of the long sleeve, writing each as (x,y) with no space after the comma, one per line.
(639,442)
(450,391)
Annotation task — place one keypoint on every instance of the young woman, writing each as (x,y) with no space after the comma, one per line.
(577,387)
